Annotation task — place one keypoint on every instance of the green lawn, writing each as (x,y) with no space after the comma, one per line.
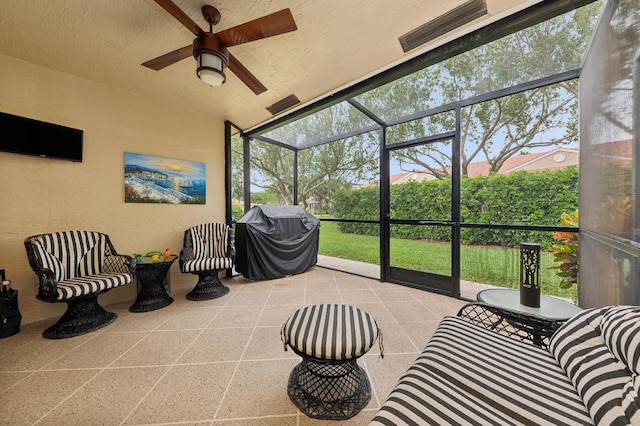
(488,265)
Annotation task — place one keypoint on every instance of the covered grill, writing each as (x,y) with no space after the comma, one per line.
(276,241)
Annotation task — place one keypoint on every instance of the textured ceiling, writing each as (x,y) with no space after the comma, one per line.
(337,42)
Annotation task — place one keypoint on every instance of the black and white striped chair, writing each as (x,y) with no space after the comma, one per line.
(328,383)
(207,251)
(75,267)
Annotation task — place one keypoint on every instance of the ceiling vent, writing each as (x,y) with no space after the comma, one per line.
(283,104)
(457,17)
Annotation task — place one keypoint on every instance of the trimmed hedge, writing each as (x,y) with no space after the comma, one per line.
(521,198)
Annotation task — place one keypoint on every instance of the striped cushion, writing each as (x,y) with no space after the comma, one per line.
(600,378)
(72,253)
(49,261)
(210,264)
(209,240)
(470,375)
(208,243)
(621,333)
(330,332)
(90,284)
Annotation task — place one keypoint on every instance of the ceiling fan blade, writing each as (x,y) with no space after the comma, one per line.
(182,17)
(169,58)
(245,75)
(270,25)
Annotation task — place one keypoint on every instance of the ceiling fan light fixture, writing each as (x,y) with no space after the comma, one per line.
(211,69)
(213,59)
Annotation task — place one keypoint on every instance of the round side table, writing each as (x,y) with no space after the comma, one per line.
(152,294)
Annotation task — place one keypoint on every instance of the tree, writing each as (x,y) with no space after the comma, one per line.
(500,128)
(494,130)
(322,169)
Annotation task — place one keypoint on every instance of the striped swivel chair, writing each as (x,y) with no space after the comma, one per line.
(75,267)
(207,250)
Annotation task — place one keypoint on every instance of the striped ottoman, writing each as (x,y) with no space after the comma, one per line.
(328,383)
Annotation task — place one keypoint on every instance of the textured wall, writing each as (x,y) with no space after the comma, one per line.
(41,195)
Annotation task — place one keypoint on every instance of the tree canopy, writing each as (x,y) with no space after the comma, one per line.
(491,131)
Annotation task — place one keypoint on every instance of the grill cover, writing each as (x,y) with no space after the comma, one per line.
(275,241)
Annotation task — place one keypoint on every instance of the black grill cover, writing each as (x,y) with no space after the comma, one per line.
(275,241)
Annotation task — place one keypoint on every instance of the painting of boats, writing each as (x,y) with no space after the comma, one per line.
(152,179)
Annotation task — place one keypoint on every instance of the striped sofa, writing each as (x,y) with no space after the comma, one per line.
(207,250)
(75,267)
(470,375)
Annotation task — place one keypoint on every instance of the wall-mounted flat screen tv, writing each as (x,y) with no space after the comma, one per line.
(32,137)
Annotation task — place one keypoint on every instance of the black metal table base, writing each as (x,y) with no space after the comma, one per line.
(208,287)
(516,325)
(152,294)
(150,299)
(329,390)
(82,316)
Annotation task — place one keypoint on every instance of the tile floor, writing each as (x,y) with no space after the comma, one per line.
(218,362)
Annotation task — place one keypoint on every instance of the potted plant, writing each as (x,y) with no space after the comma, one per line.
(565,251)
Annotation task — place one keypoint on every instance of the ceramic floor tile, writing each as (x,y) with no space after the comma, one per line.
(40,352)
(214,362)
(292,283)
(162,347)
(323,296)
(363,418)
(290,420)
(243,285)
(321,284)
(315,272)
(100,351)
(399,294)
(186,393)
(9,379)
(420,332)
(352,283)
(259,388)
(378,310)
(249,298)
(350,297)
(394,340)
(294,297)
(192,318)
(385,373)
(265,343)
(104,400)
(276,316)
(34,397)
(410,311)
(217,344)
(236,317)
(140,321)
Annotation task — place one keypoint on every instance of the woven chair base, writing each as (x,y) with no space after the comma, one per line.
(208,287)
(335,390)
(82,316)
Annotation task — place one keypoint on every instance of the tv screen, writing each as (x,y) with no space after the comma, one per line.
(32,137)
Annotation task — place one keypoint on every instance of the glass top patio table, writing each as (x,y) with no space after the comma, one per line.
(550,307)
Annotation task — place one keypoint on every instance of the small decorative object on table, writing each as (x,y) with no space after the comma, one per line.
(151,275)
(530,274)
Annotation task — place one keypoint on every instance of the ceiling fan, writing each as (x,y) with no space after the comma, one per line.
(210,50)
